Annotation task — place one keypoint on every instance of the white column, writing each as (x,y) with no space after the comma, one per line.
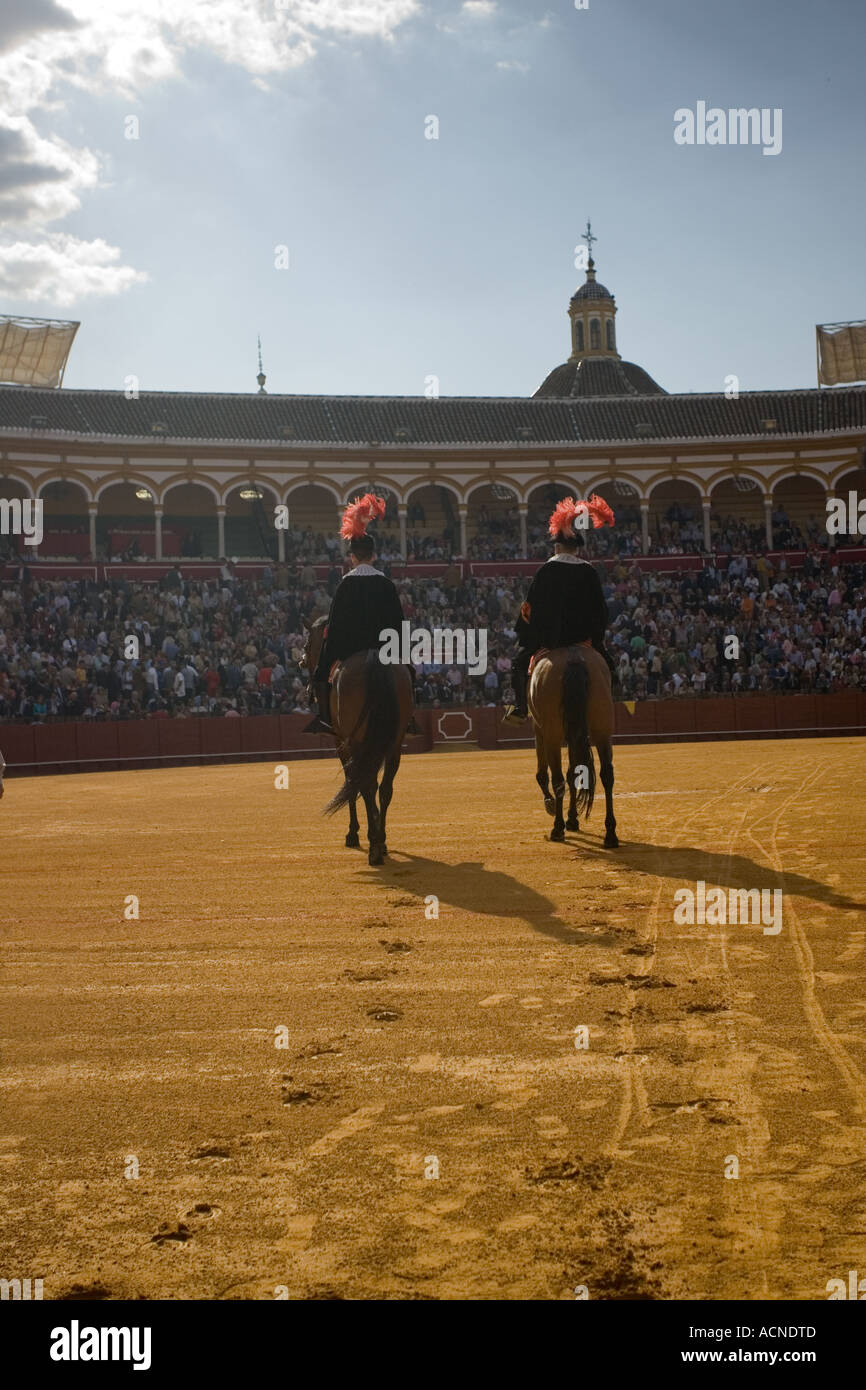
(768,521)
(463,511)
(644,527)
(705,506)
(522,512)
(831,539)
(157,521)
(401,514)
(281,545)
(221,532)
(92,512)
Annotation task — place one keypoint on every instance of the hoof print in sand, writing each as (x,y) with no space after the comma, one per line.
(593,1174)
(179,1232)
(84,1293)
(384,1015)
(311,1094)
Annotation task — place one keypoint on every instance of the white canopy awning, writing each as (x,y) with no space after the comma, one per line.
(33,352)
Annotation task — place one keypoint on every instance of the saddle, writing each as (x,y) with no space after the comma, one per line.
(545,651)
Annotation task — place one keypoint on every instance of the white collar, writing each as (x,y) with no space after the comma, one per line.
(362,570)
(568,558)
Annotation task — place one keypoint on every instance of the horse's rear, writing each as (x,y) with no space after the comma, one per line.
(570,703)
(371,705)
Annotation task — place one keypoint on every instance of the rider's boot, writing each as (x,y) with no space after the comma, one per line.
(319,724)
(517,713)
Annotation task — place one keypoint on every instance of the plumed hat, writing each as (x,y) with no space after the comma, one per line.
(563,515)
(359,514)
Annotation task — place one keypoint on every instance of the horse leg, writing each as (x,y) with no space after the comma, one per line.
(605,757)
(542,777)
(386,791)
(374,834)
(554,762)
(352,838)
(572,823)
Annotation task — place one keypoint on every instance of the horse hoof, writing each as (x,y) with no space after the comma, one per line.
(550,805)
(557,835)
(610,841)
(352,842)
(572,824)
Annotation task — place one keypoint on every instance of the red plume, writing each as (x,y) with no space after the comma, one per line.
(600,511)
(562,516)
(359,514)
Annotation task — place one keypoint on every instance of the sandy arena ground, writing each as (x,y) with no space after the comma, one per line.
(415,1043)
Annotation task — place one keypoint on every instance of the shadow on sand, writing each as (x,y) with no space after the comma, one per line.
(492,893)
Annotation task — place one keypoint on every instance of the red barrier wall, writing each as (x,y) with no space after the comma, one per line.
(92,747)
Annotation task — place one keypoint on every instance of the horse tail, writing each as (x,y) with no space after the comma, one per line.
(575,701)
(381,710)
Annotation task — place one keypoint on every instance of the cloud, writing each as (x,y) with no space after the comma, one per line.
(40,179)
(61,270)
(23,17)
(478,9)
(512,65)
(50,46)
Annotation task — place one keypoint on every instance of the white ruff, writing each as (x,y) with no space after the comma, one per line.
(568,558)
(362,570)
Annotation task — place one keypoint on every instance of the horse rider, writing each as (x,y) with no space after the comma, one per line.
(565,603)
(365,601)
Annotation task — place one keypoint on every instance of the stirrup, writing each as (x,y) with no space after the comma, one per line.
(513,715)
(317,725)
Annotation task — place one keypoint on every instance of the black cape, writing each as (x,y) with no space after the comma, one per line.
(566,605)
(363,604)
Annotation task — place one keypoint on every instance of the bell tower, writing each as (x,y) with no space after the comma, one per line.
(592,312)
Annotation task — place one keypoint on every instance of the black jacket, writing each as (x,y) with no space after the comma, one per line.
(566,605)
(363,604)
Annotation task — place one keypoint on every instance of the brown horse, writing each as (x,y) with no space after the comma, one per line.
(371,705)
(570,702)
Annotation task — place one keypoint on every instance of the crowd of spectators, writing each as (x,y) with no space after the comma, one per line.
(232,647)
(495,535)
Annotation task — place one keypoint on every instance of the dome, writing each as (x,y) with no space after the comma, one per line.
(592,290)
(598,376)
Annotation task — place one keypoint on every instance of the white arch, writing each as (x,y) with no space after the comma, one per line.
(855,466)
(69,478)
(448,484)
(811,473)
(133,482)
(477,484)
(19,478)
(183,481)
(273,487)
(314,482)
(729,475)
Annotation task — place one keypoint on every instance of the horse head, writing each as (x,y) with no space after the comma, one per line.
(313,645)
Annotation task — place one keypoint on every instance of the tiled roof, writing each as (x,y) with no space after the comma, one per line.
(598,376)
(591,290)
(401,422)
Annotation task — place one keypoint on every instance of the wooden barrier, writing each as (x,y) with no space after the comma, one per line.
(97,747)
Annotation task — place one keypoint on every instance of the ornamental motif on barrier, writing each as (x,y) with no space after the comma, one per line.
(454,714)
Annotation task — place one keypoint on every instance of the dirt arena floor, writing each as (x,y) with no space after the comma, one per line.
(417,1045)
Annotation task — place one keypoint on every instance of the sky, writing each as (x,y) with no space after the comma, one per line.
(280,181)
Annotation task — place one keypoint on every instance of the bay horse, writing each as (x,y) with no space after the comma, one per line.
(370,707)
(570,702)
